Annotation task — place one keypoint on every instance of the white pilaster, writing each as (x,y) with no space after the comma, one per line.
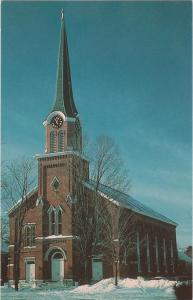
(138,255)
(172,257)
(148,257)
(157,254)
(165,262)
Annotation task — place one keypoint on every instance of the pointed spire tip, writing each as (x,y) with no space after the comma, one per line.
(62,14)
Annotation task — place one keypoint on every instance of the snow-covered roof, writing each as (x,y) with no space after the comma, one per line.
(183,256)
(33,191)
(119,198)
(127,201)
(66,152)
(55,237)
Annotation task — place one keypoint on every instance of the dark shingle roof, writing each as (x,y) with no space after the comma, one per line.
(64,101)
(127,201)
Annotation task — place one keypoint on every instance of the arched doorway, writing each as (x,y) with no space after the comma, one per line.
(57,266)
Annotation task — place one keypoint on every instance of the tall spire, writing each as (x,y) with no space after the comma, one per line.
(64,97)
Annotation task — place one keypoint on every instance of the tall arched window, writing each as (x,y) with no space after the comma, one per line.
(61,141)
(29,236)
(52,141)
(59,222)
(33,235)
(53,222)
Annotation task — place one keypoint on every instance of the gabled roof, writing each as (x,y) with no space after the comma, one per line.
(18,203)
(127,201)
(118,198)
(183,256)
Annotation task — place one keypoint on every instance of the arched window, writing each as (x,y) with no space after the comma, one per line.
(55,220)
(33,235)
(53,223)
(76,138)
(61,141)
(29,236)
(52,141)
(59,222)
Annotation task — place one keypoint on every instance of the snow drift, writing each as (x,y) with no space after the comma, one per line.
(107,285)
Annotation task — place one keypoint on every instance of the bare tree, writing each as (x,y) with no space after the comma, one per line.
(118,234)
(97,221)
(107,167)
(17,180)
(84,228)
(4,229)
(113,223)
(83,221)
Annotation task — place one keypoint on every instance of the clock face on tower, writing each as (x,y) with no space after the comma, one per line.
(57,121)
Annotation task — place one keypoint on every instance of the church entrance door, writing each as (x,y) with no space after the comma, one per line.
(97,269)
(57,267)
(30,271)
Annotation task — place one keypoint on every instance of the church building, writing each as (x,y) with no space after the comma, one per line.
(49,251)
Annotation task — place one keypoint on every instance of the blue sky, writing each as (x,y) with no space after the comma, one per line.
(131,75)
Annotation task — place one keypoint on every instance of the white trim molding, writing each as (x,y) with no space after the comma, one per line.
(26,224)
(55,237)
(40,201)
(27,196)
(30,258)
(59,249)
(53,181)
(63,153)
(29,247)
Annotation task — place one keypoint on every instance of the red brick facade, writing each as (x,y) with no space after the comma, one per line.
(46,244)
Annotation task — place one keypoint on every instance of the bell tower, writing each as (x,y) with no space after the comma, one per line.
(62,125)
(63,137)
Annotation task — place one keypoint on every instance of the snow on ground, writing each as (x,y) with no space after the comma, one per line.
(107,285)
(135,289)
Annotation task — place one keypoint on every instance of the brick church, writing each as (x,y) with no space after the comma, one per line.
(50,235)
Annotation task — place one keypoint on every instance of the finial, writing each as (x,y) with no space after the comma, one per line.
(62,14)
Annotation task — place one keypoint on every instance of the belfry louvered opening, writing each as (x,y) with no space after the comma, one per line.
(61,141)
(52,141)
